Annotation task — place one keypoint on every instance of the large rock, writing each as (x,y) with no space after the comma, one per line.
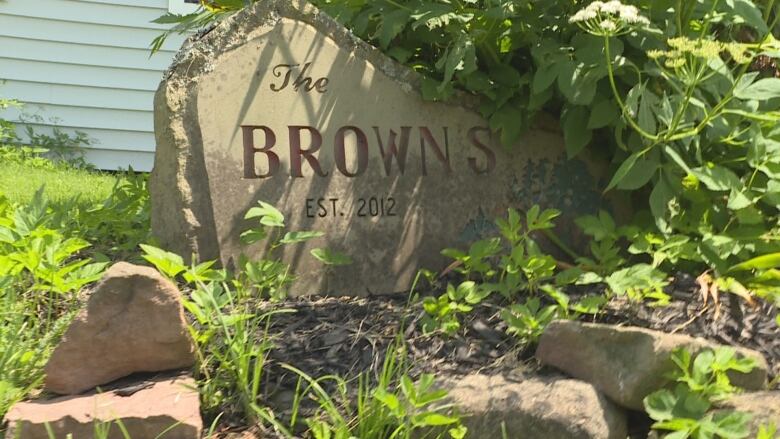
(763,406)
(168,405)
(133,322)
(627,363)
(549,407)
(282,104)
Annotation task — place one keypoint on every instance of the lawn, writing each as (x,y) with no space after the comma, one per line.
(20,181)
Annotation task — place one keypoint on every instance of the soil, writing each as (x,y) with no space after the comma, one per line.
(347,336)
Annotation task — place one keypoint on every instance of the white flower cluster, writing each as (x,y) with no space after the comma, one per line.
(613,11)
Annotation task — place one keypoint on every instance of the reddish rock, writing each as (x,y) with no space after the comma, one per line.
(133,322)
(169,405)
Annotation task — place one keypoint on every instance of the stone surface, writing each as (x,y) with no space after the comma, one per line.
(764,406)
(280,103)
(171,404)
(132,322)
(626,363)
(539,407)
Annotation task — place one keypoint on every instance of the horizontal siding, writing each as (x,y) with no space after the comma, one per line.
(83,33)
(156,4)
(84,65)
(87,55)
(78,74)
(85,12)
(77,95)
(107,159)
(82,117)
(117,140)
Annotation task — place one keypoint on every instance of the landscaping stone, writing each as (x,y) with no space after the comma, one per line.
(168,404)
(764,406)
(282,104)
(627,363)
(538,407)
(132,322)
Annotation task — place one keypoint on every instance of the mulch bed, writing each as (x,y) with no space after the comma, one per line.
(346,336)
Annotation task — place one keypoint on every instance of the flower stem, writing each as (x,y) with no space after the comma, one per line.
(623,109)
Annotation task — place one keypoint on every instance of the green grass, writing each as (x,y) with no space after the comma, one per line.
(19,182)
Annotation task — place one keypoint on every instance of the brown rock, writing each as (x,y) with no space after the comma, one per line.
(627,363)
(133,322)
(763,406)
(170,404)
(540,407)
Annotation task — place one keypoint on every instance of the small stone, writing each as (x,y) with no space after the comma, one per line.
(763,406)
(169,405)
(539,407)
(627,363)
(133,322)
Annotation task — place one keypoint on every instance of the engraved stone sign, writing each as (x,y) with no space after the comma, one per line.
(281,104)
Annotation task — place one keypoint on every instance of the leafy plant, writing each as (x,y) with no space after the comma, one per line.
(40,259)
(232,348)
(442,312)
(528,320)
(394,407)
(697,127)
(701,381)
(7,128)
(210,11)
(509,264)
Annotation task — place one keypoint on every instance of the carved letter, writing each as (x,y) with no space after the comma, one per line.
(296,152)
(278,73)
(320,85)
(249,151)
(302,80)
(393,150)
(490,156)
(340,153)
(443,156)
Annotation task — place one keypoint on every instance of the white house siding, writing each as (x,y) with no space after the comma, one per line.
(84,65)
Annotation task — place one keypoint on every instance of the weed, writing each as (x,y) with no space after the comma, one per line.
(701,381)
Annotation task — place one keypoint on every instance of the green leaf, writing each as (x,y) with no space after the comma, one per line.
(544,77)
(732,424)
(738,200)
(268,214)
(252,236)
(762,262)
(761,90)
(603,114)
(167,263)
(640,174)
(575,130)
(433,419)
(170,18)
(745,11)
(295,237)
(660,404)
(717,178)
(329,257)
(388,399)
(623,170)
(391,25)
(509,121)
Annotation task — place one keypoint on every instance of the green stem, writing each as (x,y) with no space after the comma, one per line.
(688,96)
(623,109)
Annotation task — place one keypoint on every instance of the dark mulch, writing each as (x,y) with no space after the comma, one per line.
(732,321)
(345,336)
